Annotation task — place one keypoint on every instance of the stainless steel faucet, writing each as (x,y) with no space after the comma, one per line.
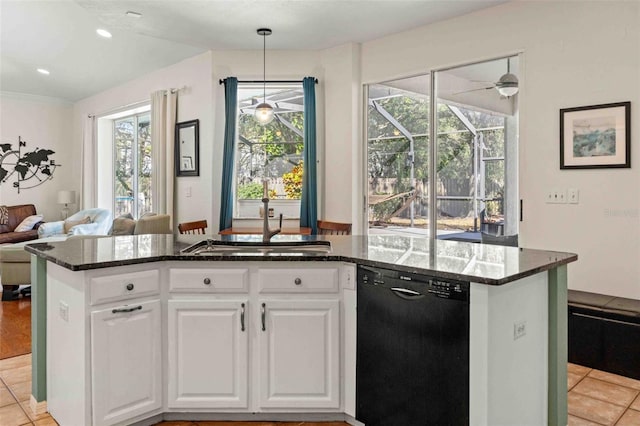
(266,232)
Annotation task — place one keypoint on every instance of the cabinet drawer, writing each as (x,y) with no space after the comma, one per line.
(209,280)
(112,288)
(291,280)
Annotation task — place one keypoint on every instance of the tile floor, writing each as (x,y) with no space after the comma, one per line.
(595,398)
(15,393)
(599,398)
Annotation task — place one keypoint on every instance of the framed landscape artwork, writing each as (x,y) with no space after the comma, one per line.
(596,136)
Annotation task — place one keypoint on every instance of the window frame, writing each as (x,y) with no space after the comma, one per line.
(290,207)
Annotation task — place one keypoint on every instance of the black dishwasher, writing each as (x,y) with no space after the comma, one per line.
(412,362)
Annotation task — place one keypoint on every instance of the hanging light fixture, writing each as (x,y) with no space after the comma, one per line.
(508,83)
(264,111)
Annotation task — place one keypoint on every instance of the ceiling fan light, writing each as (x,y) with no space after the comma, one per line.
(508,91)
(507,85)
(264,113)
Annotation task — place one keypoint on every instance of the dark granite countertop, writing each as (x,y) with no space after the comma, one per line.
(481,263)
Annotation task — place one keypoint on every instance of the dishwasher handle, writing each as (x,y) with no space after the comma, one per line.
(406,294)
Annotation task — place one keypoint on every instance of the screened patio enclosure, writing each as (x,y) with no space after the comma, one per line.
(475,167)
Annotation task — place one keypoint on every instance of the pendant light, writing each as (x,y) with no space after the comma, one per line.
(508,83)
(264,111)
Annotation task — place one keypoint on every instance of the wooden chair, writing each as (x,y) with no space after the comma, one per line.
(197,227)
(333,228)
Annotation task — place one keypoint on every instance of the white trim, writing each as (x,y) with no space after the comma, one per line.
(36,98)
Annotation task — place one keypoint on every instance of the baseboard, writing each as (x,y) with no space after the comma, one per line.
(36,407)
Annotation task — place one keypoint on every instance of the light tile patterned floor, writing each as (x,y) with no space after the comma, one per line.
(600,398)
(596,398)
(15,392)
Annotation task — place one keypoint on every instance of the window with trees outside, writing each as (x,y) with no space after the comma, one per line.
(273,151)
(475,173)
(132,165)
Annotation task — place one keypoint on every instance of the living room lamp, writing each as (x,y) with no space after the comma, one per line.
(66,198)
(264,112)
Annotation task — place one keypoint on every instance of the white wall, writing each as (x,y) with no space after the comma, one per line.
(575,53)
(343,160)
(42,123)
(194,102)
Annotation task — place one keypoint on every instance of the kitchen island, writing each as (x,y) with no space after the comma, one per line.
(91,294)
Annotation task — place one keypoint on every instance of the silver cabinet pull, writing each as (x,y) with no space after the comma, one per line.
(242,317)
(298,281)
(121,310)
(207,281)
(263,314)
(130,286)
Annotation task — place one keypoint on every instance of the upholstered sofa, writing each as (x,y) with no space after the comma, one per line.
(16,215)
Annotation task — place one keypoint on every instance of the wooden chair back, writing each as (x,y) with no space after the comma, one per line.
(197,227)
(333,228)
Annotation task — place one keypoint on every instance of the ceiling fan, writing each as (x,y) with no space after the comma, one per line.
(507,85)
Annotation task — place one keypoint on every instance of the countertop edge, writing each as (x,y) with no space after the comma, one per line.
(311,258)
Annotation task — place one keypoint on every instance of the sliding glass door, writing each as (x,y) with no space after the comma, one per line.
(398,156)
(475,167)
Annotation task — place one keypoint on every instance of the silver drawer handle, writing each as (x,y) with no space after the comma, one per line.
(207,281)
(121,310)
(263,314)
(242,317)
(297,281)
(130,286)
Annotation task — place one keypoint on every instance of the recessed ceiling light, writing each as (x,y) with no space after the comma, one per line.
(103,33)
(132,14)
(43,71)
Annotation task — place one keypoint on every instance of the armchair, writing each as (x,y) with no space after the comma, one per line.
(100,224)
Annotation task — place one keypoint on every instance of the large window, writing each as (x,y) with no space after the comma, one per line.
(132,165)
(473,175)
(272,152)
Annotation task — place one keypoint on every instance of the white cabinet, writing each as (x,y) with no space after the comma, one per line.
(284,313)
(126,378)
(208,355)
(299,352)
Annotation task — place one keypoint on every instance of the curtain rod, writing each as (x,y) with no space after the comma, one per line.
(221,81)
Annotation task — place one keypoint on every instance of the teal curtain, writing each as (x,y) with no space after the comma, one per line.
(228,160)
(309,201)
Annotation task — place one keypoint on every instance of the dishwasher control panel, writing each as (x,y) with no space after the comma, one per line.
(422,284)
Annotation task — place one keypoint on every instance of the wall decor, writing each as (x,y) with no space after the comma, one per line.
(596,136)
(187,148)
(25,170)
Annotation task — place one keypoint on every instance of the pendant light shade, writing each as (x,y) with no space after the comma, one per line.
(264,112)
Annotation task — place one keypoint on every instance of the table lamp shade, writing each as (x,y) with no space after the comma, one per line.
(66,197)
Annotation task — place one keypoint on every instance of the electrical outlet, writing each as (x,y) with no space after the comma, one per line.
(519,329)
(556,196)
(64,311)
(573,196)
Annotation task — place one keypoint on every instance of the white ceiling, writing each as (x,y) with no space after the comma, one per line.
(59,35)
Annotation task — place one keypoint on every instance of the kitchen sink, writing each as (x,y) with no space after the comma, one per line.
(258,248)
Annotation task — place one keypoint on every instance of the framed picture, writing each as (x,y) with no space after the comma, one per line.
(596,136)
(187,148)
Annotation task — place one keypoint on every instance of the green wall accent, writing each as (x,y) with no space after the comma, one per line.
(558,338)
(38,328)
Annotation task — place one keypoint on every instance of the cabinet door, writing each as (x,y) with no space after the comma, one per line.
(208,354)
(126,362)
(299,354)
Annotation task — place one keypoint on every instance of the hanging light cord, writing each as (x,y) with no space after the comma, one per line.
(264,67)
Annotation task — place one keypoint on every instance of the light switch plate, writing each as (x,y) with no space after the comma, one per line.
(573,196)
